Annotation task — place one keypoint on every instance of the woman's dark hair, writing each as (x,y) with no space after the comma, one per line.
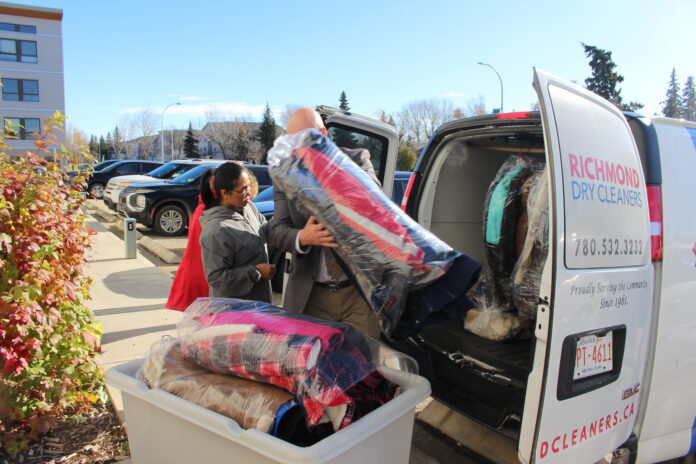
(225,176)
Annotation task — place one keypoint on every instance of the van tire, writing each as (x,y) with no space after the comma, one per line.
(170,221)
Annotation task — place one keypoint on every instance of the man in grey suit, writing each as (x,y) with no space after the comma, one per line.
(317,285)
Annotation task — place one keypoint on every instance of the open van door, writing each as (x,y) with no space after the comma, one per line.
(593,325)
(355,131)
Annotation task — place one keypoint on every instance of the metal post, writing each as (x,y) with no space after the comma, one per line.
(83,196)
(129,237)
(162,129)
(501,82)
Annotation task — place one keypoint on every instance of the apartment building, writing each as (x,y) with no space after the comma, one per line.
(31,68)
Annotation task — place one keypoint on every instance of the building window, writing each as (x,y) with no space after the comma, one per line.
(23,128)
(18,50)
(20,90)
(17,28)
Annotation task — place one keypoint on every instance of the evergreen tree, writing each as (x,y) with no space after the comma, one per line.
(343,100)
(267,133)
(110,146)
(605,79)
(117,142)
(689,100)
(406,158)
(672,105)
(191,144)
(102,148)
(93,147)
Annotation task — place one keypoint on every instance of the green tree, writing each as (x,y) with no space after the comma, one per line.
(94,147)
(343,100)
(102,148)
(605,80)
(406,158)
(110,153)
(191,144)
(267,132)
(672,105)
(689,100)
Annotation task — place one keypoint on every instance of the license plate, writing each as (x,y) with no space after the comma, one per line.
(593,356)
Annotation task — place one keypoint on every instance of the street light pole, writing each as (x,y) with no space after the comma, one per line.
(162,129)
(501,82)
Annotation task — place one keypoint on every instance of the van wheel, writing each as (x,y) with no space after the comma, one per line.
(96,190)
(170,220)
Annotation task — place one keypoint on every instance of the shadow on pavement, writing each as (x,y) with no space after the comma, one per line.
(138,283)
(112,337)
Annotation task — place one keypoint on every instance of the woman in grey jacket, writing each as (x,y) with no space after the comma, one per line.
(233,241)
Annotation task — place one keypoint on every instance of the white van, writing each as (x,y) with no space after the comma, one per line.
(609,370)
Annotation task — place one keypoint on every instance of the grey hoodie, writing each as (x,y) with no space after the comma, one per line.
(233,242)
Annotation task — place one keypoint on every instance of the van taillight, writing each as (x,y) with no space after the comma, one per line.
(407,192)
(517,115)
(655,210)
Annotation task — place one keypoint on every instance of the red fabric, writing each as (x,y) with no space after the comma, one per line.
(189,282)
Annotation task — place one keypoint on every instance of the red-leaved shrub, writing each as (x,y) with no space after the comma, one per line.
(47,334)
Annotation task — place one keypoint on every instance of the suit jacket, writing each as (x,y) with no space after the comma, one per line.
(283,229)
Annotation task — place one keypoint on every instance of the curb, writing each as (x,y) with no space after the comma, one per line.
(162,252)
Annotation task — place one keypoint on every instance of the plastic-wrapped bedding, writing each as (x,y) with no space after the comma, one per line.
(330,367)
(502,211)
(526,275)
(387,252)
(251,404)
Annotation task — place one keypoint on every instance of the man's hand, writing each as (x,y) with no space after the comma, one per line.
(314,233)
(267,270)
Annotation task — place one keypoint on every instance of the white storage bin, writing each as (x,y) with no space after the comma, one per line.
(163,428)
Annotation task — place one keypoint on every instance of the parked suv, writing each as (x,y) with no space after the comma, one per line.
(168,171)
(166,205)
(97,182)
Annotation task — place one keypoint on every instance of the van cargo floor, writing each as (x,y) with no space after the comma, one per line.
(481,378)
(508,359)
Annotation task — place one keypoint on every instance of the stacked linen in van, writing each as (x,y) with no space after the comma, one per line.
(387,253)
(329,367)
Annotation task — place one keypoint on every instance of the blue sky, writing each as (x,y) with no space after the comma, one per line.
(236,55)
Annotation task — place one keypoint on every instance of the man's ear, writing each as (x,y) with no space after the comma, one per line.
(324,132)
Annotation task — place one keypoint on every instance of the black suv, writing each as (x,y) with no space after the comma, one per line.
(98,180)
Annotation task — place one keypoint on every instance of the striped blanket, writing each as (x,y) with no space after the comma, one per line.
(329,366)
(387,252)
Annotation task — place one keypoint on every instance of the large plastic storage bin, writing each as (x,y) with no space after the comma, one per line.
(162,428)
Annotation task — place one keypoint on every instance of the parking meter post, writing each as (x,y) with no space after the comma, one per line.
(129,237)
(83,196)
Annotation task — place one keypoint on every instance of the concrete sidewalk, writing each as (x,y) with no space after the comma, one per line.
(128,297)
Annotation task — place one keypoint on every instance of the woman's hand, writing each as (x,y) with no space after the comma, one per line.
(267,270)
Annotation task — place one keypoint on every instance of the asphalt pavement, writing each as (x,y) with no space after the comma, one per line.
(128,297)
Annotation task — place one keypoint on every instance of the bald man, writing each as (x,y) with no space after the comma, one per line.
(317,286)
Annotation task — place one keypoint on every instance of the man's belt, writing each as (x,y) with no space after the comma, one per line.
(334,286)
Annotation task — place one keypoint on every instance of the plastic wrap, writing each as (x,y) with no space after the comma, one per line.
(386,251)
(526,275)
(330,367)
(516,239)
(251,404)
(502,211)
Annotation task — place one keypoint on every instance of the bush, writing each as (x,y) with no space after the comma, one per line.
(48,337)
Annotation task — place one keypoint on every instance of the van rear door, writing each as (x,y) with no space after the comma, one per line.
(355,131)
(592,330)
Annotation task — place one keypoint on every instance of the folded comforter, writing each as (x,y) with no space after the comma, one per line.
(387,252)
